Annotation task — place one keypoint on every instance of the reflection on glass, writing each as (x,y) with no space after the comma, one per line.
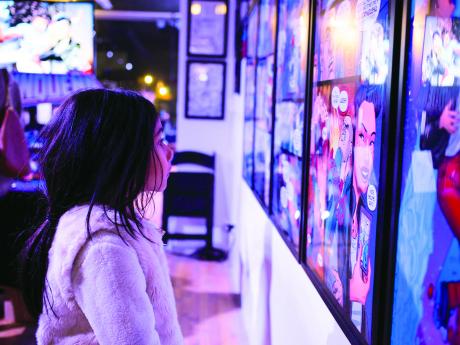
(350,72)
(249,97)
(289,115)
(264,100)
(427,280)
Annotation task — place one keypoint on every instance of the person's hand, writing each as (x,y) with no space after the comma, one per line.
(449,119)
(359,287)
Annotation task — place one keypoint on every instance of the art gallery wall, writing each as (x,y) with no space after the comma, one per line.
(222,137)
(279,303)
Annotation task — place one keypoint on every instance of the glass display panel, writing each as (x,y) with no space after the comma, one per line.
(263,125)
(264,100)
(427,275)
(289,115)
(350,73)
(249,97)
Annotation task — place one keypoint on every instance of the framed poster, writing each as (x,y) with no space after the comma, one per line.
(348,104)
(263,128)
(426,308)
(291,68)
(250,35)
(265,72)
(205,94)
(207,28)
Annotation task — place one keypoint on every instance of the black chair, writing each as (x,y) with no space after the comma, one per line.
(191,194)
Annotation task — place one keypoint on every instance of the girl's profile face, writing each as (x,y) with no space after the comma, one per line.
(160,161)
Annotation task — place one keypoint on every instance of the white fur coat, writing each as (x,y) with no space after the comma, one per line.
(105,290)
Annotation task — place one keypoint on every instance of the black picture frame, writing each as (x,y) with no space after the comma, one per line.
(292,241)
(201,40)
(249,116)
(385,250)
(205,82)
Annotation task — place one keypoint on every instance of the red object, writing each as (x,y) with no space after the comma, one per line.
(449,191)
(430,291)
(453,291)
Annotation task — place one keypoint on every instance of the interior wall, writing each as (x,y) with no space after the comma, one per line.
(222,137)
(280,304)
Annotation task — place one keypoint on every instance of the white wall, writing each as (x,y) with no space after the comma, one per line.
(280,305)
(223,137)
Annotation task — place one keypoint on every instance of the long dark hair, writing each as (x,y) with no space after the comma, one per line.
(97,150)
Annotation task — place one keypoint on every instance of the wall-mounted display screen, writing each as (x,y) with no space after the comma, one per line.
(47,37)
(289,115)
(351,59)
(426,308)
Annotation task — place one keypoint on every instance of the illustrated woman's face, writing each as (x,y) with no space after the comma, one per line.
(364,146)
(160,162)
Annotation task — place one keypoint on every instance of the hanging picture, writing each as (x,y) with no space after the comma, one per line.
(205,94)
(348,105)
(289,117)
(207,28)
(265,71)
(249,96)
(426,308)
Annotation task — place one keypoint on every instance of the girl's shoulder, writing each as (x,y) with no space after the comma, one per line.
(73,226)
(72,241)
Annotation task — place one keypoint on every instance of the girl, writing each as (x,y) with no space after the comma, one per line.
(95,272)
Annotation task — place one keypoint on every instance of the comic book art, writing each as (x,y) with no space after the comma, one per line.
(292,49)
(249,97)
(263,125)
(351,63)
(264,100)
(267,28)
(287,173)
(289,116)
(426,306)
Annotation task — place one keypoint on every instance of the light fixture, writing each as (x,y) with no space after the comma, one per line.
(195,9)
(129,66)
(203,77)
(220,9)
(163,91)
(148,79)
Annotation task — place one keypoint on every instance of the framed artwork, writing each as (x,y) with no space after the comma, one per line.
(250,47)
(205,93)
(348,109)
(207,28)
(265,71)
(292,51)
(426,308)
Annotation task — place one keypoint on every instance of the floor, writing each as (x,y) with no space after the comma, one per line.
(208,307)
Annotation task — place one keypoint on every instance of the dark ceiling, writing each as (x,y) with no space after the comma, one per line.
(150,46)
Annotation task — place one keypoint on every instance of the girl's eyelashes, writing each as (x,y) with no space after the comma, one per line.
(163,137)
